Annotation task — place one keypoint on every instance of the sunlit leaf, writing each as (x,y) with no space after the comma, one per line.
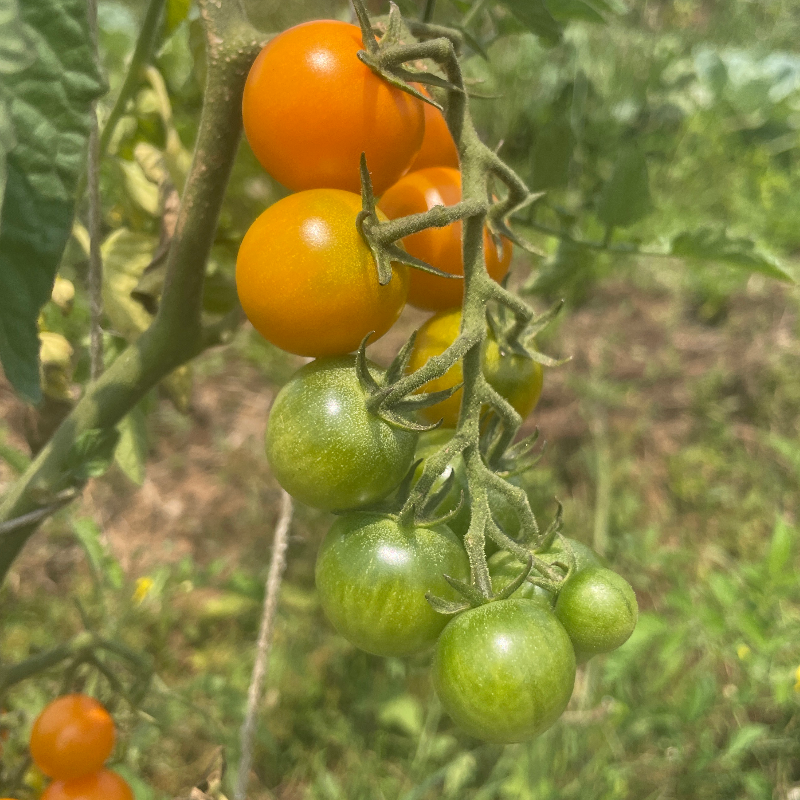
(46,106)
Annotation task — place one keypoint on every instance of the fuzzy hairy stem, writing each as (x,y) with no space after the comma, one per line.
(176,334)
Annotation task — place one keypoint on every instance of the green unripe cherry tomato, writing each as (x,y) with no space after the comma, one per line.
(598,609)
(326,448)
(517,378)
(504,671)
(372,576)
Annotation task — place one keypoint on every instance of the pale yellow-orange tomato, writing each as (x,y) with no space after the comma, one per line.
(516,378)
(308,282)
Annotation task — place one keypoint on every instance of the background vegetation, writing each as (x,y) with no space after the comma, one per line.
(668,140)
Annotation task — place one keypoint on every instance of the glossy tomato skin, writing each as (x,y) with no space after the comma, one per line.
(325,448)
(103,785)
(311,108)
(438,148)
(504,671)
(72,737)
(516,378)
(598,609)
(372,576)
(420,191)
(308,282)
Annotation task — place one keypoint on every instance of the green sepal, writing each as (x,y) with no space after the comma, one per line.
(467,591)
(553,529)
(399,364)
(517,582)
(447,607)
(427,399)
(399,421)
(365,378)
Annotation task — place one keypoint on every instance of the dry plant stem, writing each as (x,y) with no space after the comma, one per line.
(261,666)
(176,334)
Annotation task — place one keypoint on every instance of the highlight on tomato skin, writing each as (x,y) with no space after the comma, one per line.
(416,193)
(307,281)
(72,737)
(311,107)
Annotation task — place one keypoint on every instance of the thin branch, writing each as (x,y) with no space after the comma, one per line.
(261,666)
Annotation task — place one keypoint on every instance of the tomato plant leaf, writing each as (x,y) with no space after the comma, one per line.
(177,11)
(91,454)
(567,10)
(713,244)
(131,451)
(626,196)
(46,108)
(535,16)
(552,154)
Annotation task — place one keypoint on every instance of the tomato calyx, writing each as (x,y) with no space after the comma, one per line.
(382,237)
(386,56)
(383,399)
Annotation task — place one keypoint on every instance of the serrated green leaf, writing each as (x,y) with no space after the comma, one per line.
(626,197)
(177,11)
(103,564)
(710,244)
(47,107)
(535,16)
(16,40)
(126,255)
(567,10)
(131,451)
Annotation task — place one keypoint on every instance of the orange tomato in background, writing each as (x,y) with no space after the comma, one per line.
(438,148)
(420,191)
(310,108)
(72,737)
(103,785)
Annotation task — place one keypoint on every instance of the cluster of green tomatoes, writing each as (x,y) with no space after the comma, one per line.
(504,669)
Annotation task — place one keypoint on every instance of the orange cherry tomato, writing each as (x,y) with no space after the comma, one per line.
(72,737)
(308,282)
(517,378)
(440,247)
(103,785)
(310,108)
(438,148)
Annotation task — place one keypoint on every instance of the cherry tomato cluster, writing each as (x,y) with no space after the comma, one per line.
(70,742)
(503,669)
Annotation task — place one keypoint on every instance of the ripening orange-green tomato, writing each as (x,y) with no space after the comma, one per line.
(438,148)
(73,736)
(102,785)
(308,282)
(516,378)
(420,191)
(310,108)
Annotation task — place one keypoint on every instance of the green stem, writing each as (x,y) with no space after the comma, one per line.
(11,675)
(142,53)
(176,334)
(427,12)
